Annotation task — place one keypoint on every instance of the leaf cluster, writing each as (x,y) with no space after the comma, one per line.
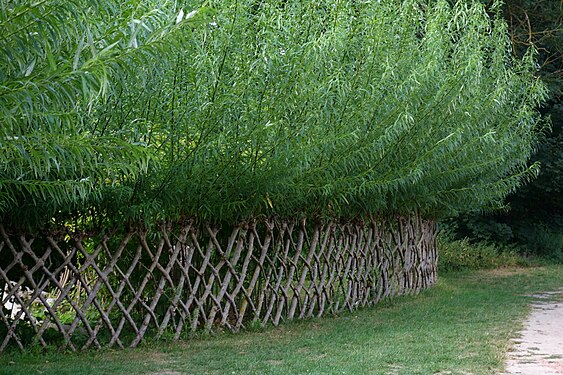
(232,109)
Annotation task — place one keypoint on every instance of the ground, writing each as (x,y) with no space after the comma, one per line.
(539,349)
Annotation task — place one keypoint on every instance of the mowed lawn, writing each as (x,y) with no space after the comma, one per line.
(461,326)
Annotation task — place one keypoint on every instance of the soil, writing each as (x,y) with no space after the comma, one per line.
(539,349)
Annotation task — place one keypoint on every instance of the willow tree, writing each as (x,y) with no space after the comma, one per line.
(185,165)
(58,60)
(149,110)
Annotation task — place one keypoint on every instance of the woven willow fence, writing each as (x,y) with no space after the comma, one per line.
(81,291)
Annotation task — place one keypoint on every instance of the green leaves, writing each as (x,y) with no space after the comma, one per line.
(60,60)
(241,108)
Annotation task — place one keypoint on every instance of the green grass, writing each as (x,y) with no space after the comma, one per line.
(461,326)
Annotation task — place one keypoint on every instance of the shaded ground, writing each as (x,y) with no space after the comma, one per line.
(539,350)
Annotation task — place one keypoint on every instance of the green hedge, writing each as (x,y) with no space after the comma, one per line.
(239,108)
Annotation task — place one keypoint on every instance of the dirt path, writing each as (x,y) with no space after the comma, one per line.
(539,350)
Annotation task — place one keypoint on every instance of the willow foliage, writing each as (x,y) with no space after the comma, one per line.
(232,109)
(58,60)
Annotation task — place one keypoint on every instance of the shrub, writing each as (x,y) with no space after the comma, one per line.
(461,255)
(244,108)
(528,235)
(542,239)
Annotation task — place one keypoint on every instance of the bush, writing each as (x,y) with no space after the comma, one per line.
(461,255)
(527,235)
(246,108)
(542,239)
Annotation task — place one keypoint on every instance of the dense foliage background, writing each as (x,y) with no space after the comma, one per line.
(535,218)
(145,110)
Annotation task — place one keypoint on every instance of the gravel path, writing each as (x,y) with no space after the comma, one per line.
(539,350)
